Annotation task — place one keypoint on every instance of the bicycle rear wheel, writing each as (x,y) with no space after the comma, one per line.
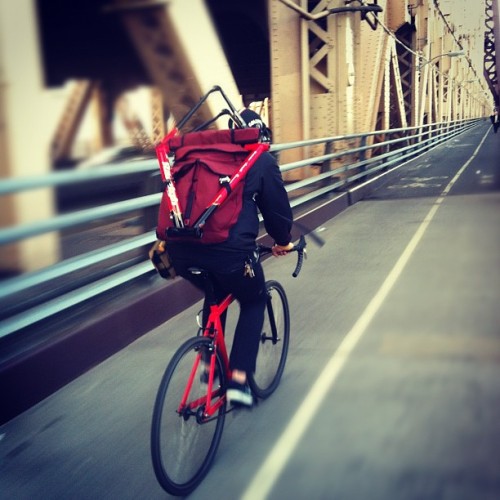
(183,440)
(274,340)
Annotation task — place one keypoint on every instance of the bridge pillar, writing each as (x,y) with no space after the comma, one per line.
(24,135)
(290,116)
(178,45)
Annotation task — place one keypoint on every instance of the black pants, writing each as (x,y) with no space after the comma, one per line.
(227,270)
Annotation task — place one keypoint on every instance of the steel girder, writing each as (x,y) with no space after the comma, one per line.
(491,56)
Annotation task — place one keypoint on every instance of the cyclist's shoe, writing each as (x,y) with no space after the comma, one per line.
(239,394)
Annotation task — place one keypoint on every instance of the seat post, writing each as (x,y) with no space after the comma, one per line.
(207,282)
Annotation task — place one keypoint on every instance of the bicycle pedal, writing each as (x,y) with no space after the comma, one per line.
(239,407)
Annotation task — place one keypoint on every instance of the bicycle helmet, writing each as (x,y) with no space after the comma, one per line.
(253,120)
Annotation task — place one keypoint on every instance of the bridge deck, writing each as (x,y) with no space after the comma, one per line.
(407,283)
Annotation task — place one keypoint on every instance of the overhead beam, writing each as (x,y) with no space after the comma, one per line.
(179,46)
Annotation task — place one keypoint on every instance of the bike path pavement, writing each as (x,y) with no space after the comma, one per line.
(413,412)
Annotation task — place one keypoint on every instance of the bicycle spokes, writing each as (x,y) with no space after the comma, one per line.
(273,345)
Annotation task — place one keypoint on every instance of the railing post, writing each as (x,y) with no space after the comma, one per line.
(152,185)
(325,165)
(362,154)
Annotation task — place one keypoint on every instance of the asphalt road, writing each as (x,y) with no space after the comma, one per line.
(392,386)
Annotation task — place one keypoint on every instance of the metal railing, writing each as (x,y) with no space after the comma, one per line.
(332,165)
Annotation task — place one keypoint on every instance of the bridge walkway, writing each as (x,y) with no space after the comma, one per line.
(392,386)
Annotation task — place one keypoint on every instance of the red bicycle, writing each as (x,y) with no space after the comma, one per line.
(191,406)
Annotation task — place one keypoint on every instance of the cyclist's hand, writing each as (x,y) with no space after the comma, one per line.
(281,250)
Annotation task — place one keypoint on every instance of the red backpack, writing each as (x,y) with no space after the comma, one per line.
(203,195)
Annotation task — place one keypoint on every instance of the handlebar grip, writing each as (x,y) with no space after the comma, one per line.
(300,248)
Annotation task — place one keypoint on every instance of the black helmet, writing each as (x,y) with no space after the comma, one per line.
(253,120)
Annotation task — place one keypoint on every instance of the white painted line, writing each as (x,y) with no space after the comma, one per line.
(266,476)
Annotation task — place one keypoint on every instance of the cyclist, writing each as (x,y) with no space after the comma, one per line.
(234,264)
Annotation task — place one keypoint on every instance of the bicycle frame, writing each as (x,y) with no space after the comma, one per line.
(192,392)
(213,330)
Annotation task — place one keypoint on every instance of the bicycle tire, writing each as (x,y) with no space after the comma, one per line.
(273,347)
(182,448)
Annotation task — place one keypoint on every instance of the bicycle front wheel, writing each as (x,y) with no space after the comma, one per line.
(184,439)
(274,340)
